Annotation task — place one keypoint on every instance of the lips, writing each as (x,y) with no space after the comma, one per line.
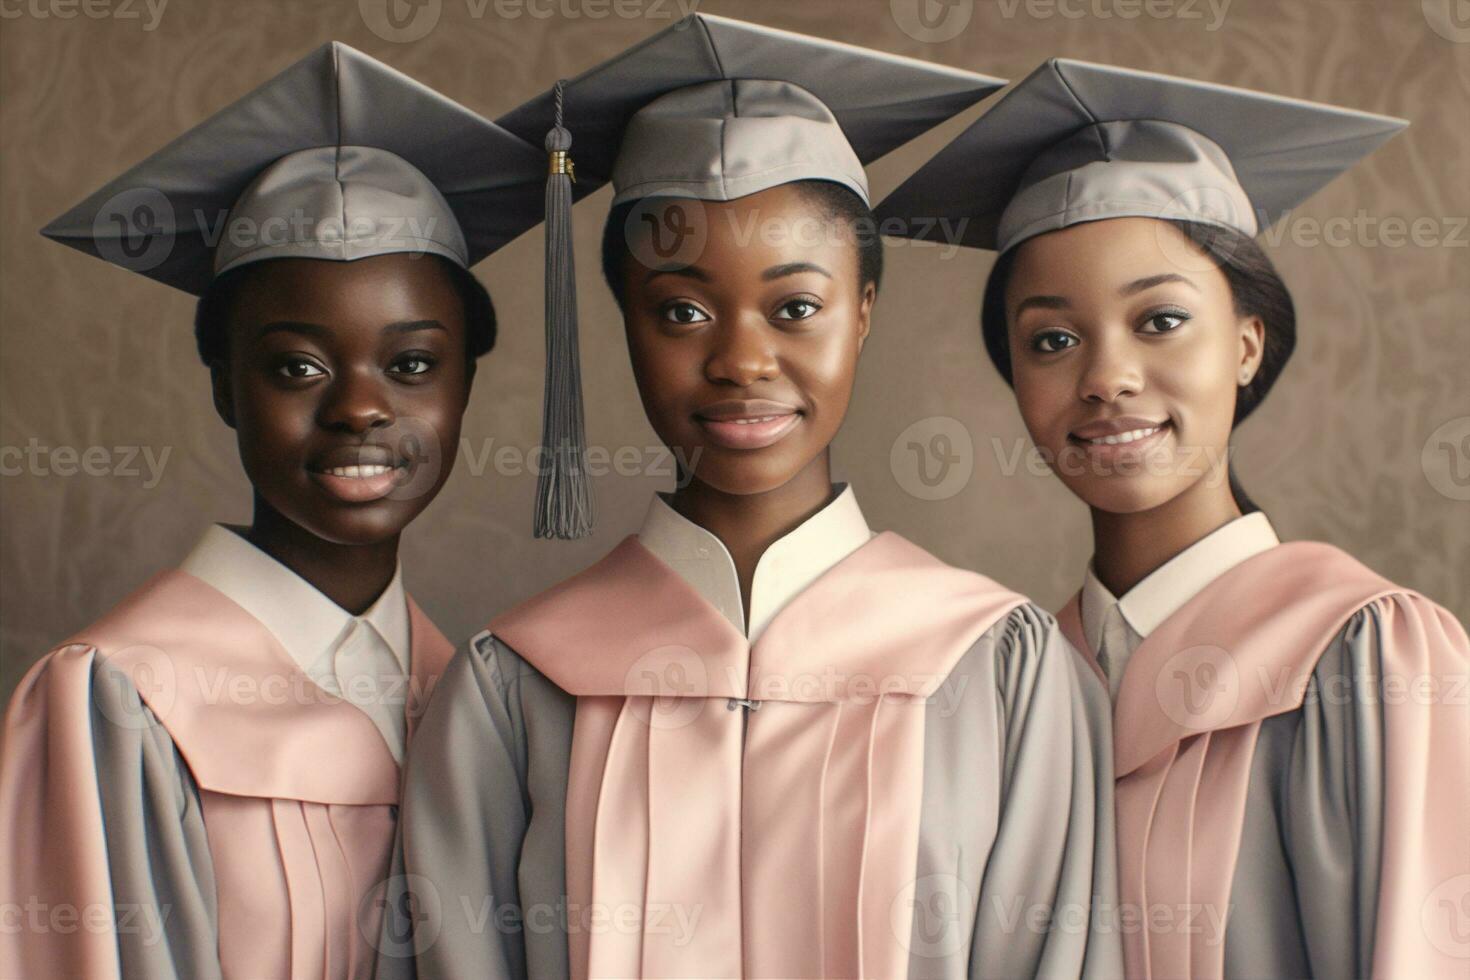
(1129,435)
(748,423)
(357,474)
(1112,432)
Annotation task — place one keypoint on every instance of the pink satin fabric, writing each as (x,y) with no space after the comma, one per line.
(1182,781)
(791,830)
(297,786)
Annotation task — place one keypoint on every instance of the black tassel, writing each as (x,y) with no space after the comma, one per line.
(563,491)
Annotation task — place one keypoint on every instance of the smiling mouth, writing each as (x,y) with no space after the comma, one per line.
(757,430)
(1138,438)
(356,477)
(1132,435)
(358,472)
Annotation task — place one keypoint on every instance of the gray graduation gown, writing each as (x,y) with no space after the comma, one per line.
(173,783)
(1015,819)
(1293,759)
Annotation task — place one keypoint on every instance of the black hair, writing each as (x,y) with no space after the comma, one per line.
(833,201)
(212,315)
(1256,289)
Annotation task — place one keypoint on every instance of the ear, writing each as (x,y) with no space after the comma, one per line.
(224,394)
(865,313)
(1252,348)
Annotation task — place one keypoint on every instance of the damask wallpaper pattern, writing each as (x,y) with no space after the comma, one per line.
(114,461)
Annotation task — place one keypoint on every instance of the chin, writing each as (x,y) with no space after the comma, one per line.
(1124,496)
(743,475)
(365,525)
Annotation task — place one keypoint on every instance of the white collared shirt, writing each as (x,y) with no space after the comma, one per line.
(788,567)
(1116,627)
(363,659)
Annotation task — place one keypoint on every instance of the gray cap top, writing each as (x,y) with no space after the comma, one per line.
(338,157)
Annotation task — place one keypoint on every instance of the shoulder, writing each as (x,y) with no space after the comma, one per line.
(75,690)
(1398,632)
(1023,639)
(491,665)
(80,677)
(496,658)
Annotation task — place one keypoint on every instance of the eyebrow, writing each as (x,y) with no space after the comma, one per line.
(1042,303)
(692,271)
(411,326)
(318,330)
(791,269)
(1149,282)
(292,326)
(1132,288)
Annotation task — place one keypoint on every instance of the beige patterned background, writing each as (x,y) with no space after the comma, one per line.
(1349,449)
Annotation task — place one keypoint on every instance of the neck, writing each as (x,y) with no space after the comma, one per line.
(1127,547)
(351,575)
(748,524)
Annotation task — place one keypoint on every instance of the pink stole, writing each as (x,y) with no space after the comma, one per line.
(708,839)
(296,785)
(1188,713)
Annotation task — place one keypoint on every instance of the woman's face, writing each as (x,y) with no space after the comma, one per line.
(746,353)
(1126,355)
(345,385)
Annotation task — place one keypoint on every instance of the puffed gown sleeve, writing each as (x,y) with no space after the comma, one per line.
(105,853)
(1052,868)
(1343,838)
(481,897)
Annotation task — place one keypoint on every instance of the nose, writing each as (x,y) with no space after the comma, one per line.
(743,353)
(1110,371)
(355,403)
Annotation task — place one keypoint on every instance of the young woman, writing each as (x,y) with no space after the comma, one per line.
(204,782)
(759,739)
(1291,737)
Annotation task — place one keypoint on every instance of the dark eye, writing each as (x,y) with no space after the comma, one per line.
(1164,321)
(298,368)
(684,313)
(797,309)
(412,364)
(1051,341)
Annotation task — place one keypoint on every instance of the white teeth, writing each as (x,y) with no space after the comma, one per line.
(1131,435)
(768,418)
(359,472)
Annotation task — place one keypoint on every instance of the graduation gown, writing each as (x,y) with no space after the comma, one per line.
(904,775)
(1292,753)
(179,799)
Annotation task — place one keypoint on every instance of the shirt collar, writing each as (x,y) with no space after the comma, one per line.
(788,567)
(1181,578)
(305,622)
